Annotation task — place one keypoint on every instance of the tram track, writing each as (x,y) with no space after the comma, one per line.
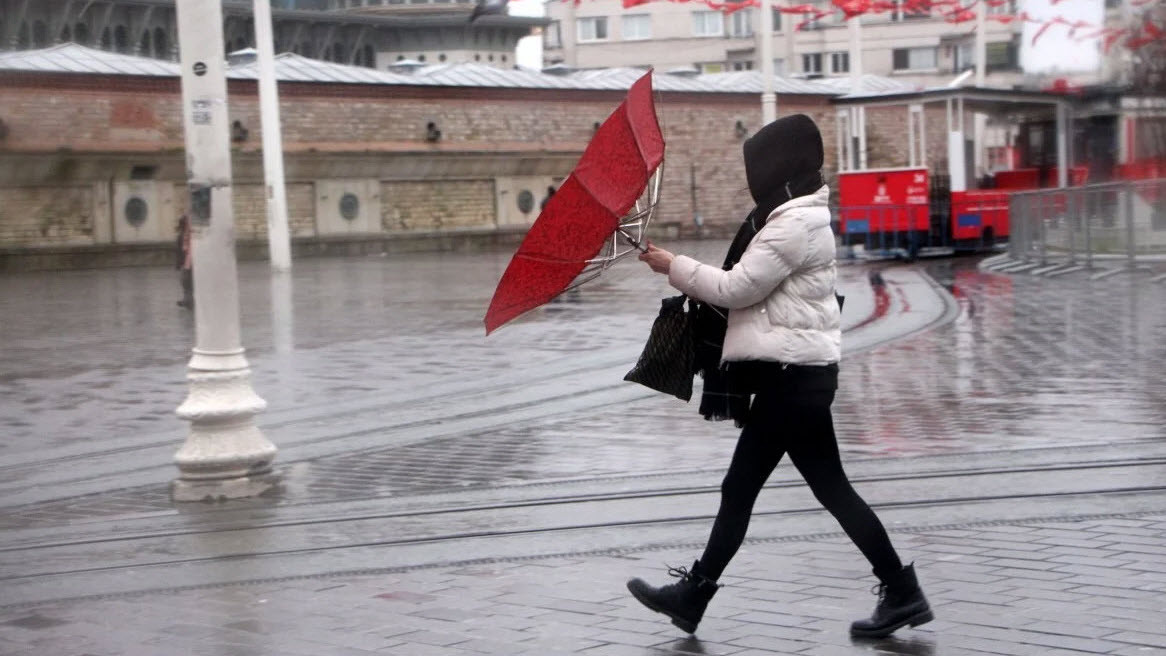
(467,535)
(551,391)
(568,499)
(425,536)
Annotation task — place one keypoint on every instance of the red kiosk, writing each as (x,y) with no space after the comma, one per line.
(921,205)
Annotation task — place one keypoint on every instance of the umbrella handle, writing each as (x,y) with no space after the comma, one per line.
(632,240)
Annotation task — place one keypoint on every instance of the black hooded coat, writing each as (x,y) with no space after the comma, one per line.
(783,161)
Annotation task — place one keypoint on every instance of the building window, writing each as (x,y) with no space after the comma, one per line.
(913,59)
(812,63)
(553,36)
(817,24)
(903,11)
(840,62)
(121,39)
(1006,7)
(161,44)
(963,57)
(741,65)
(1001,56)
(593,29)
(636,27)
(741,23)
(711,68)
(707,23)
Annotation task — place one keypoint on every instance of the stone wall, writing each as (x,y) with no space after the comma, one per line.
(47,215)
(426,206)
(75,140)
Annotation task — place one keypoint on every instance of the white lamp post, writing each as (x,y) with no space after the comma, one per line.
(768,96)
(278,234)
(225,454)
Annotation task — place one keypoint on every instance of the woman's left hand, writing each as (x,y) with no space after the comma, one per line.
(658,259)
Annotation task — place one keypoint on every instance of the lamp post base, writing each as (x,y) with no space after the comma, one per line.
(225,488)
(225,456)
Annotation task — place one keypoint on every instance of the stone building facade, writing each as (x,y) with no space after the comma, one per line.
(91,168)
(361,34)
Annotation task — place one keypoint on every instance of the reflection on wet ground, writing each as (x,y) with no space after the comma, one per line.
(1027,363)
(92,353)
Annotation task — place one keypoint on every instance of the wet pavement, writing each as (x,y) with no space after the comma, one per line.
(448,493)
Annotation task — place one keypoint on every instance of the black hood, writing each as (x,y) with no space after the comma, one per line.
(787,151)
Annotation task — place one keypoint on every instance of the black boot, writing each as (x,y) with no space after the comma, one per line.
(683,601)
(901,602)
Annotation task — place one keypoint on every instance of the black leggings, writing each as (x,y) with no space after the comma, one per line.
(784,420)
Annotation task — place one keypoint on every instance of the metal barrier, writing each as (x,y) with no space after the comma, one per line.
(1060,229)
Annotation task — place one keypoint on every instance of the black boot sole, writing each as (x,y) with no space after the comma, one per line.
(677,621)
(918,619)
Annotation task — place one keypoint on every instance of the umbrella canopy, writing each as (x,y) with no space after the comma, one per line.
(586,210)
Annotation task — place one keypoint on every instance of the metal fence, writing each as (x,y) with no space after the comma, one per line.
(1078,226)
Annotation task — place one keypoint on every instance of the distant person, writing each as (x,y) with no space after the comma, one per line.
(182,262)
(780,344)
(550,192)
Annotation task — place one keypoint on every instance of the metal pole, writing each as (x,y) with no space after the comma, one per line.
(765,42)
(855,65)
(842,137)
(1127,205)
(278,234)
(225,455)
(1088,229)
(922,136)
(911,159)
(980,120)
(1062,145)
(981,43)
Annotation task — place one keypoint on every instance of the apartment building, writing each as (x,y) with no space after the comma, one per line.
(920,48)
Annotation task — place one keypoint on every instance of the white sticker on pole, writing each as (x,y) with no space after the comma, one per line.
(201,111)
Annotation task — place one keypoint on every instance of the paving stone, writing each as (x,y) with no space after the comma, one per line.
(1009,588)
(1139,638)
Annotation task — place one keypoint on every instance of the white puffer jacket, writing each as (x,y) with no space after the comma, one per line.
(780,295)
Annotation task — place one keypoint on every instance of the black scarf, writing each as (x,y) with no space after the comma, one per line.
(727,391)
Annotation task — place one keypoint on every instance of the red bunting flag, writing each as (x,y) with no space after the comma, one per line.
(960,16)
(1044,28)
(1111,39)
(852,8)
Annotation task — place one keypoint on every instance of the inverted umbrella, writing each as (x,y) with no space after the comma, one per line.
(592,208)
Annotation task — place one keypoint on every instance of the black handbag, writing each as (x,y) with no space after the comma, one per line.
(667,363)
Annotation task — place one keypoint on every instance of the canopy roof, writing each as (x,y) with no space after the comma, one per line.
(995,102)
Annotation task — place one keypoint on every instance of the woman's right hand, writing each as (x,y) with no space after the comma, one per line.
(658,259)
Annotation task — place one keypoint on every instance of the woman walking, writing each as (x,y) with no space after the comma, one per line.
(780,345)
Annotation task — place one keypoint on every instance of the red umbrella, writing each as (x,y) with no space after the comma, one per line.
(590,207)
